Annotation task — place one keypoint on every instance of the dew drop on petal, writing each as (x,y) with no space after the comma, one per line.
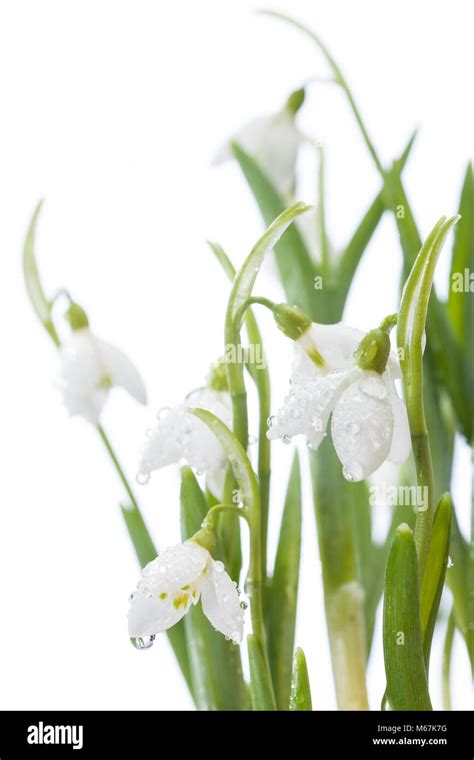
(143,642)
(271,421)
(352,472)
(163,412)
(286,439)
(218,566)
(352,428)
(243,605)
(143,478)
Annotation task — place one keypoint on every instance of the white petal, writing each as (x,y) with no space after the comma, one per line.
(362,426)
(401,438)
(278,151)
(180,435)
(168,586)
(151,615)
(250,137)
(122,372)
(307,407)
(82,372)
(336,343)
(273,141)
(221,604)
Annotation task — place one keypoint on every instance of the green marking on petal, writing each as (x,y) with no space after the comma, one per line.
(163,595)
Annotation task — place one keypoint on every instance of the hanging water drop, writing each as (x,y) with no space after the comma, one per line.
(143,642)
(271,421)
(286,439)
(218,566)
(163,413)
(243,605)
(143,478)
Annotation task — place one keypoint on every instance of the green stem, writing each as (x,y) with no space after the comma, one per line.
(118,467)
(447,654)
(338,77)
(323,238)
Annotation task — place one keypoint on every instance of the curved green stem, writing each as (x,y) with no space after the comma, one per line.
(210,519)
(338,78)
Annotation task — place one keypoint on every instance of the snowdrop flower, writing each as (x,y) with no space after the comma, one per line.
(350,375)
(273,141)
(90,368)
(180,577)
(179,435)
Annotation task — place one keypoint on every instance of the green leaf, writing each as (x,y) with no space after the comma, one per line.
(300,698)
(246,276)
(448,359)
(236,455)
(261,691)
(296,267)
(343,592)
(261,376)
(407,686)
(146,552)
(283,591)
(33,283)
(141,539)
(447,656)
(354,250)
(460,301)
(435,573)
(216,667)
(411,326)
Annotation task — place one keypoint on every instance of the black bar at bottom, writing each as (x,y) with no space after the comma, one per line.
(374,734)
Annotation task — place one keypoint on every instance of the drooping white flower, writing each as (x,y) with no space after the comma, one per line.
(273,141)
(180,577)
(369,420)
(89,369)
(179,435)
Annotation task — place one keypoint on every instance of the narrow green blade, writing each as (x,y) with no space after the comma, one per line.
(283,591)
(300,698)
(33,283)
(460,301)
(216,668)
(261,691)
(407,686)
(435,573)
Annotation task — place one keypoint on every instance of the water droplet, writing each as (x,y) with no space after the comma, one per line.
(131,597)
(271,421)
(143,478)
(163,412)
(143,642)
(235,637)
(286,439)
(218,566)
(193,393)
(353,472)
(199,472)
(243,605)
(450,563)
(149,432)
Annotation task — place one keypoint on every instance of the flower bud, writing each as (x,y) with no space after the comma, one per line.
(77,317)
(296,100)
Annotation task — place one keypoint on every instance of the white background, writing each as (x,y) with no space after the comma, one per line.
(111,111)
